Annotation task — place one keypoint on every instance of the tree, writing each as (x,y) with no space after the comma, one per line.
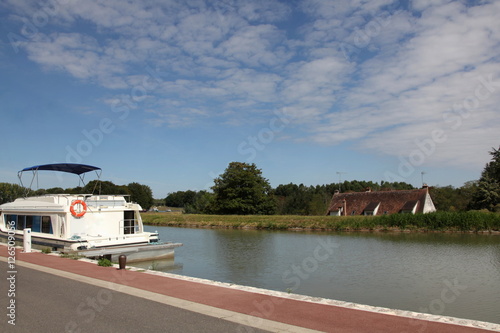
(175,199)
(201,204)
(450,199)
(387,186)
(180,198)
(492,169)
(487,194)
(101,187)
(55,190)
(10,192)
(286,190)
(242,190)
(141,194)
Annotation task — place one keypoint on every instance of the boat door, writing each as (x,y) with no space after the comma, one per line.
(129,222)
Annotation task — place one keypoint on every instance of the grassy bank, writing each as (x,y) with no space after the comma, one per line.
(472,221)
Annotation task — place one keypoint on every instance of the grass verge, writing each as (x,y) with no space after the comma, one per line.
(472,221)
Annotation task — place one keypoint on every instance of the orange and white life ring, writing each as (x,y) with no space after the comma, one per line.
(80,213)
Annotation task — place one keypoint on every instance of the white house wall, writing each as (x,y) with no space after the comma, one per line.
(428,205)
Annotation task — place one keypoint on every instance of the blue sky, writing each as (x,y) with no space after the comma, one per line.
(167,93)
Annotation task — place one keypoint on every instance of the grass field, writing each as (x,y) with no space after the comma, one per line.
(472,221)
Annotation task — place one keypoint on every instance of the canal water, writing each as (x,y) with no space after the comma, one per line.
(444,274)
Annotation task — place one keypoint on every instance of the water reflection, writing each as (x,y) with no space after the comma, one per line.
(243,254)
(397,270)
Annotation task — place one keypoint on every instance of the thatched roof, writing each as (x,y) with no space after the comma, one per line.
(381,202)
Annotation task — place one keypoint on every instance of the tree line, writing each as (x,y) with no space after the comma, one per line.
(241,189)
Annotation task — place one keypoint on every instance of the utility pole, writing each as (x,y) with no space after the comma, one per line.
(340,177)
(422,174)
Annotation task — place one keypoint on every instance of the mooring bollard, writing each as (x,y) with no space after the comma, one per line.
(27,240)
(122,261)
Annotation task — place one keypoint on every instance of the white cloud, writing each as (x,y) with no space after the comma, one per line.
(79,55)
(402,96)
(378,73)
(315,85)
(263,10)
(255,46)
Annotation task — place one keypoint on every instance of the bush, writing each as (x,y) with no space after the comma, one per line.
(104,262)
(73,256)
(461,221)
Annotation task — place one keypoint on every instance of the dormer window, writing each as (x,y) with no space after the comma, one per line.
(372,208)
(410,207)
(337,212)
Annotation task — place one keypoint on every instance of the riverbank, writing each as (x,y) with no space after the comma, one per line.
(472,221)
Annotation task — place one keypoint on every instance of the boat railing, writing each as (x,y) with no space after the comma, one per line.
(108,200)
(57,198)
(66,199)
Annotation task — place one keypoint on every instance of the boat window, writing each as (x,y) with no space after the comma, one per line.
(36,223)
(46,225)
(20,222)
(9,219)
(29,222)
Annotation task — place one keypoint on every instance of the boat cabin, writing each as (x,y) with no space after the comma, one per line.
(88,220)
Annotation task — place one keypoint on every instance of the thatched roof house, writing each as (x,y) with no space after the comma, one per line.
(381,202)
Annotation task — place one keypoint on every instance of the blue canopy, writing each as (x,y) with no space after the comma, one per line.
(63,167)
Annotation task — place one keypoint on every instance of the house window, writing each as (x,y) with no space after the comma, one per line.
(337,212)
(353,212)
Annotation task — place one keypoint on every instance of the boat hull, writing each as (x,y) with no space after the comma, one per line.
(40,242)
(134,253)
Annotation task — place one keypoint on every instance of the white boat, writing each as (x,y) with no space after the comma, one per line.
(86,224)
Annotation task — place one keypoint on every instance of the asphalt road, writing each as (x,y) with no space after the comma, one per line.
(49,303)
